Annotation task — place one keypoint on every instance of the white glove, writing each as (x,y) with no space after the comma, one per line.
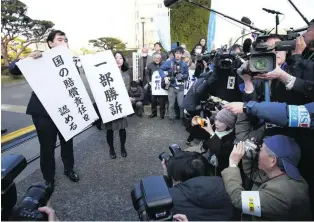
(167,80)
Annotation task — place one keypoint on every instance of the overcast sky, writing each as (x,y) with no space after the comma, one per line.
(87,19)
(83,20)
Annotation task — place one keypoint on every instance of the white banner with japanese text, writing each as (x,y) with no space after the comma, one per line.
(107,85)
(57,84)
(156,85)
(188,83)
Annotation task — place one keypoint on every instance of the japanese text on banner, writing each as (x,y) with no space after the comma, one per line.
(107,85)
(56,82)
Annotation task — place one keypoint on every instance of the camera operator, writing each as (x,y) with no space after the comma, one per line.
(282,192)
(303,67)
(280,114)
(177,73)
(201,65)
(224,82)
(194,193)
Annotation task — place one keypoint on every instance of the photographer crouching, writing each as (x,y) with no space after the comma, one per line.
(194,193)
(281,192)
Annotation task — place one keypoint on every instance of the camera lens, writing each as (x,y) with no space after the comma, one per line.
(261,64)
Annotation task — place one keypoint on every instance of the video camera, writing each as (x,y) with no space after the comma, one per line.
(36,196)
(207,57)
(152,200)
(262,59)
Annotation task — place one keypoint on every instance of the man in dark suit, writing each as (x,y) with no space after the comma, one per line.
(45,127)
(143,62)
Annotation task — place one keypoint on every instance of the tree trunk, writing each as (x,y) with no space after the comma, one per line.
(22,50)
(4,53)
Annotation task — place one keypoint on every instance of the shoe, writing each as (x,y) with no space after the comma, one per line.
(123,152)
(162,117)
(152,116)
(113,154)
(72,175)
(50,186)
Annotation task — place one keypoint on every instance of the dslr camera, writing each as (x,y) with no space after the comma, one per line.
(36,196)
(251,148)
(152,200)
(174,149)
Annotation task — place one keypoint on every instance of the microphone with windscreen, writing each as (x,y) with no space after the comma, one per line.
(168,3)
(246,20)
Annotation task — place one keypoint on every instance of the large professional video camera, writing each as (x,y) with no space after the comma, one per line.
(207,57)
(152,200)
(36,196)
(262,59)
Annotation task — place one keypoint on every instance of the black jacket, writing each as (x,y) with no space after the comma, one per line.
(304,73)
(202,199)
(217,85)
(138,95)
(34,107)
(151,68)
(221,147)
(192,98)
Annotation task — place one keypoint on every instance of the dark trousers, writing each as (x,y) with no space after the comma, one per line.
(47,136)
(98,122)
(162,105)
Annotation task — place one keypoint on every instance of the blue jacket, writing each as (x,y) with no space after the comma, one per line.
(167,67)
(282,114)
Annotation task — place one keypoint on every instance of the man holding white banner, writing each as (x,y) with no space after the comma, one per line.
(60,106)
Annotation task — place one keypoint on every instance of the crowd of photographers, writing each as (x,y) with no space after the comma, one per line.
(237,141)
(244,143)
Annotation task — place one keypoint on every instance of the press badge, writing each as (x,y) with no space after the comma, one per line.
(231,82)
(299,116)
(251,203)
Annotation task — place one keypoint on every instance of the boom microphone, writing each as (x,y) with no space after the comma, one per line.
(168,3)
(272,11)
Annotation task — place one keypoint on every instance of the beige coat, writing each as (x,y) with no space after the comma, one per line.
(281,198)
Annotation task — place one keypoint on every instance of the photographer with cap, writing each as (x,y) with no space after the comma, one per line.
(281,192)
(287,85)
(194,193)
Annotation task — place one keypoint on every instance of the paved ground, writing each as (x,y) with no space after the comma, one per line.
(103,192)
